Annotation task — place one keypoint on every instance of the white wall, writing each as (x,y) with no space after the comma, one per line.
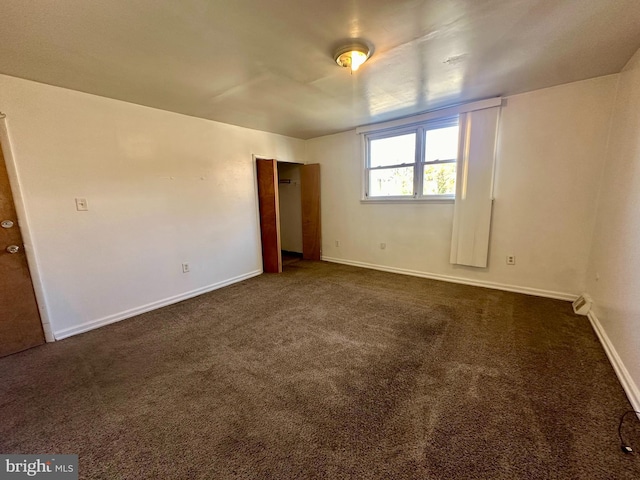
(550,153)
(614,269)
(290,207)
(162,189)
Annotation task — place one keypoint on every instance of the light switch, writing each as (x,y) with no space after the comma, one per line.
(81,204)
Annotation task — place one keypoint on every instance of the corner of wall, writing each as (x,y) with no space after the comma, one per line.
(589,273)
(626,380)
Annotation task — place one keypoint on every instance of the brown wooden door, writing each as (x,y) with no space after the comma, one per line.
(310,193)
(20,325)
(267,171)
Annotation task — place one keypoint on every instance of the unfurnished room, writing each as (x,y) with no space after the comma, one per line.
(293,239)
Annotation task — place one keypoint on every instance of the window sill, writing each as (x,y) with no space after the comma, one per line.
(434,199)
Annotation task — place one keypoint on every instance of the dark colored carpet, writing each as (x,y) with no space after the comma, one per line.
(327,371)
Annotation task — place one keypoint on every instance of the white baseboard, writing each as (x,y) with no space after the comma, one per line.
(101,322)
(465,281)
(629,386)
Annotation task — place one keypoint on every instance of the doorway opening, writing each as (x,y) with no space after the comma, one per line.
(290,204)
(20,326)
(299,231)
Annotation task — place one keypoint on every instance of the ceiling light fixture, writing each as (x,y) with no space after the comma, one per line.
(352,56)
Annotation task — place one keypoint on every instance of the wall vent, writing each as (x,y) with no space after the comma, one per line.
(582,304)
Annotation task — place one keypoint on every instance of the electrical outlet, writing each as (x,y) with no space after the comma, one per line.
(383,246)
(81,204)
(511,259)
(337,243)
(185,268)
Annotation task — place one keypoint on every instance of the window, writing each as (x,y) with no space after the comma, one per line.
(412,163)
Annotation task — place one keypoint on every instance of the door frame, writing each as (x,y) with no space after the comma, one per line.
(25,227)
(255,157)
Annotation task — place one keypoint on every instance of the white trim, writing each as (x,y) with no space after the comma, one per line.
(465,281)
(432,115)
(93,324)
(25,229)
(629,386)
(411,200)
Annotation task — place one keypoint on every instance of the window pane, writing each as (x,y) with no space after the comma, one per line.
(393,150)
(441,144)
(391,181)
(439,179)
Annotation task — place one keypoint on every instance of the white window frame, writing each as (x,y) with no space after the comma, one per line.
(418,164)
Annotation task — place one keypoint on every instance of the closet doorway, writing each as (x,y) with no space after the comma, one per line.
(289,204)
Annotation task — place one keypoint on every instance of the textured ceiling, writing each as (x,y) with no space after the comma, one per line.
(267,64)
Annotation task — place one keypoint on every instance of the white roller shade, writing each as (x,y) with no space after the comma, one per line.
(474,187)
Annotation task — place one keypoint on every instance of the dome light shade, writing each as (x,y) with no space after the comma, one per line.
(352,56)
